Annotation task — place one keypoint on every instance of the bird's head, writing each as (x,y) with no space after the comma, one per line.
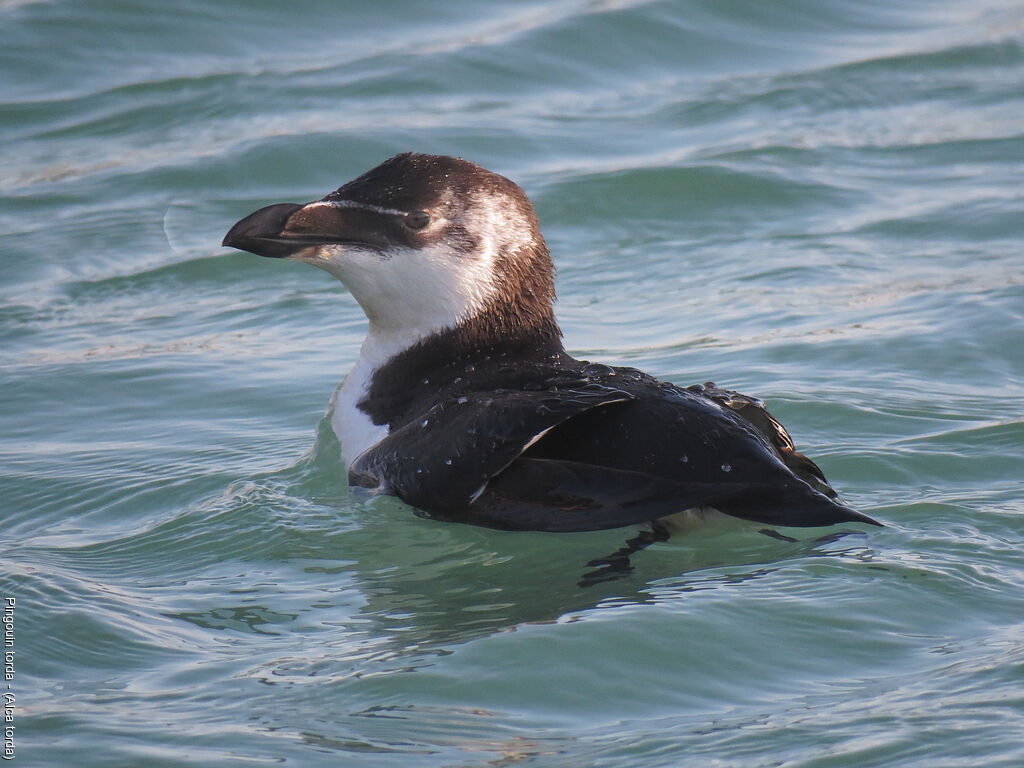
(424,243)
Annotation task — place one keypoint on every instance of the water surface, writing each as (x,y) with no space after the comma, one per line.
(818,203)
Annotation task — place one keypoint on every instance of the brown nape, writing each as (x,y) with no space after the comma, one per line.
(522,311)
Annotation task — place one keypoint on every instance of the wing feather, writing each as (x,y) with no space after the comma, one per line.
(443,461)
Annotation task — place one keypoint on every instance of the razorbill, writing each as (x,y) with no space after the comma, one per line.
(465,404)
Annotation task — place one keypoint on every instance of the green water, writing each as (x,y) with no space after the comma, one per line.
(819,202)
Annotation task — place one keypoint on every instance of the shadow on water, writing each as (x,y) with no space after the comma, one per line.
(450,588)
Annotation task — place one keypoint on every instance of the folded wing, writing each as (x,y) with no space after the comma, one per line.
(443,461)
(595,457)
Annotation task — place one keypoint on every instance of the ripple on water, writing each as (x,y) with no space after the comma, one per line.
(816,203)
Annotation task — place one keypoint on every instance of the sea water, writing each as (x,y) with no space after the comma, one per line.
(816,202)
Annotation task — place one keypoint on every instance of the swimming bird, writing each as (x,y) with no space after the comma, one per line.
(464,402)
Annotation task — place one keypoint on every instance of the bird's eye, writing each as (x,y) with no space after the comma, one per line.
(417,219)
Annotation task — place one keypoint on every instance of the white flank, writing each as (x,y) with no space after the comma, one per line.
(355,430)
(693,519)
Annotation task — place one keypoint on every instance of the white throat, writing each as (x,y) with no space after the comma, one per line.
(408,294)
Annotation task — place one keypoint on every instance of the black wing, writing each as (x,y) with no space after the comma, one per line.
(588,458)
(443,461)
(753,410)
(664,451)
